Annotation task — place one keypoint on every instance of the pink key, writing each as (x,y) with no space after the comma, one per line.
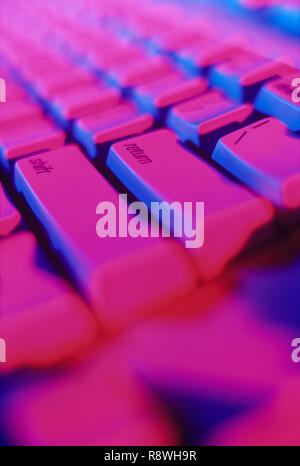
(13,92)
(175,39)
(24,138)
(45,321)
(276,423)
(157,95)
(97,402)
(241,76)
(226,352)
(121,276)
(265,156)
(84,100)
(154,167)
(9,216)
(112,56)
(95,131)
(205,54)
(204,119)
(48,85)
(13,112)
(139,71)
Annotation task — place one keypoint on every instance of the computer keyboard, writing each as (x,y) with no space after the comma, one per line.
(141,340)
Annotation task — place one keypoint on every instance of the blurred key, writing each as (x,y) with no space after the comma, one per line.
(44,321)
(47,86)
(158,95)
(27,137)
(139,71)
(121,276)
(198,58)
(204,119)
(281,99)
(241,76)
(97,402)
(97,131)
(80,101)
(13,92)
(274,423)
(16,111)
(266,157)
(105,58)
(286,15)
(9,216)
(156,168)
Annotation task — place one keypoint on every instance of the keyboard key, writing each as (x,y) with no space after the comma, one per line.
(241,76)
(47,86)
(139,71)
(9,216)
(198,58)
(20,110)
(13,91)
(272,424)
(175,39)
(176,174)
(286,15)
(204,119)
(275,98)
(25,138)
(158,95)
(98,402)
(105,269)
(81,101)
(45,321)
(266,157)
(98,131)
(103,59)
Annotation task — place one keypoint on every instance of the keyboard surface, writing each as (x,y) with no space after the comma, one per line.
(138,339)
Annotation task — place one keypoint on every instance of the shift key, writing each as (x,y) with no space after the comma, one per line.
(120,276)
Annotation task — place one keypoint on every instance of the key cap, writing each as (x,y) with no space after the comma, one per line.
(24,138)
(280,99)
(9,215)
(98,131)
(173,173)
(44,321)
(198,58)
(13,92)
(47,86)
(244,355)
(101,60)
(139,71)
(81,101)
(104,268)
(266,157)
(204,119)
(272,424)
(13,112)
(175,39)
(241,76)
(69,411)
(286,15)
(158,95)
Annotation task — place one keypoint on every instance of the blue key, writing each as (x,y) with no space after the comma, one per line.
(281,98)
(98,131)
(204,119)
(241,76)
